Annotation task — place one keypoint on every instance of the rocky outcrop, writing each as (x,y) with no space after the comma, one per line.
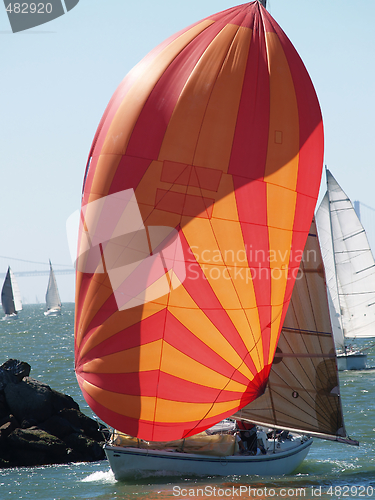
(41,426)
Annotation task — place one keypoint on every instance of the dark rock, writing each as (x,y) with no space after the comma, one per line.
(57,426)
(4,408)
(52,429)
(33,440)
(62,401)
(6,378)
(88,448)
(29,399)
(9,418)
(19,369)
(4,463)
(29,458)
(81,422)
(26,424)
(13,371)
(7,427)
(4,412)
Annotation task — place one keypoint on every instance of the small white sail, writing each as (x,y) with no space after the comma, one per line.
(323,222)
(348,261)
(10,295)
(16,292)
(53,301)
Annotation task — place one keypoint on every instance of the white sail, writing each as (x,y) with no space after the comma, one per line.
(323,222)
(16,292)
(352,259)
(53,301)
(10,295)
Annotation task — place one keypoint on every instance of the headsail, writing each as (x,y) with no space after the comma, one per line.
(348,258)
(10,294)
(186,260)
(52,295)
(303,391)
(323,222)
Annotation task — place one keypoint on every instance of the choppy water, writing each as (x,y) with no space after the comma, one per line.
(331,469)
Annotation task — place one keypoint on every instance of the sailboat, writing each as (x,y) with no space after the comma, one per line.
(350,270)
(302,396)
(10,295)
(197,201)
(53,301)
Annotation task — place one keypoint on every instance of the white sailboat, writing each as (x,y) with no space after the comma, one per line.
(350,270)
(10,295)
(53,301)
(302,397)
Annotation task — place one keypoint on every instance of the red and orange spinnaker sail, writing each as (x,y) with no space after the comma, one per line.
(198,197)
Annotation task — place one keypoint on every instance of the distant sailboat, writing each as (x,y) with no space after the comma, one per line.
(53,301)
(350,271)
(10,295)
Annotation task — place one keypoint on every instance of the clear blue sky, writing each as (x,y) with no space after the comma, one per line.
(56,80)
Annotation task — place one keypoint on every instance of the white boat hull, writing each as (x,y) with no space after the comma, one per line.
(56,311)
(351,361)
(129,462)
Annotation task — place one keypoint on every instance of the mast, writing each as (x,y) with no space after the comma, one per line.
(264,3)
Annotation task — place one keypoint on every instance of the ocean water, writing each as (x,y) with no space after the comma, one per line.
(330,471)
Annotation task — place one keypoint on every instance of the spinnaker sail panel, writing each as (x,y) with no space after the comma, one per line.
(303,388)
(186,260)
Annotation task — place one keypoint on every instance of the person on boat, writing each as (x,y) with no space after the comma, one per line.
(247,434)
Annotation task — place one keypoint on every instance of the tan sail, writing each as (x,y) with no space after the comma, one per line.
(303,391)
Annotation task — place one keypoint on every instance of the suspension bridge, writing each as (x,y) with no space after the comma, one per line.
(30,268)
(366,215)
